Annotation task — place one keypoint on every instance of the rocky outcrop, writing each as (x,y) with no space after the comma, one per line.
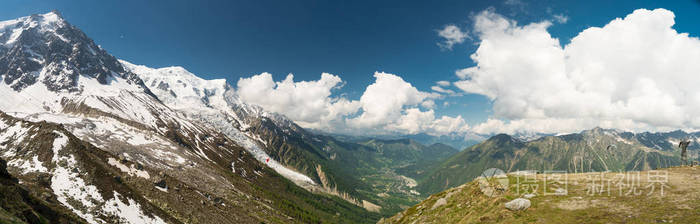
(518,204)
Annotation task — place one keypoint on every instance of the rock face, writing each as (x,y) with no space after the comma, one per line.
(19,206)
(45,48)
(160,183)
(518,204)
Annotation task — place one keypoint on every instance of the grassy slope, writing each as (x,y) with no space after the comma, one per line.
(467,204)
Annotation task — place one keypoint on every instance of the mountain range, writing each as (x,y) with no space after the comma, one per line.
(89,138)
(588,151)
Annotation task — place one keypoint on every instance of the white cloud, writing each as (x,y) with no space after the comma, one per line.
(636,73)
(430,104)
(388,106)
(560,18)
(384,100)
(442,90)
(306,102)
(416,121)
(452,35)
(446,125)
(413,121)
(443,83)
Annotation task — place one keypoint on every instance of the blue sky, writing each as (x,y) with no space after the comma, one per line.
(351,39)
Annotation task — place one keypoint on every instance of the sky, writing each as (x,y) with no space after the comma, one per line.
(419,66)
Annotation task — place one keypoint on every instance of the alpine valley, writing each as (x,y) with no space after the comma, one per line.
(88,138)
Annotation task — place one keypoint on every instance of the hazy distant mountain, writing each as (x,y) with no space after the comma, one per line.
(457,141)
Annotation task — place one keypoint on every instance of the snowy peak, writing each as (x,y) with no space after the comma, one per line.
(44,48)
(11,30)
(179,88)
(182,90)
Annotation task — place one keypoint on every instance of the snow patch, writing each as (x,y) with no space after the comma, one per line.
(132,171)
(28,166)
(620,139)
(71,189)
(68,186)
(674,142)
(129,212)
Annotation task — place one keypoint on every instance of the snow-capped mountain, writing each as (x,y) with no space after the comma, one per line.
(45,48)
(162,150)
(214,103)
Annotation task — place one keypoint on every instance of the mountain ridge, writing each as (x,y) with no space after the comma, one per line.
(596,149)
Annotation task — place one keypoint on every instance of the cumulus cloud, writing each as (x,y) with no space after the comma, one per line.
(388,106)
(452,35)
(391,104)
(384,100)
(307,102)
(416,121)
(635,73)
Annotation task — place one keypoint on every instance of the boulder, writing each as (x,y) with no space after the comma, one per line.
(518,204)
(122,159)
(439,202)
(528,196)
(160,183)
(560,191)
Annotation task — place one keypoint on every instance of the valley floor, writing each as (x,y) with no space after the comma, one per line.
(669,195)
